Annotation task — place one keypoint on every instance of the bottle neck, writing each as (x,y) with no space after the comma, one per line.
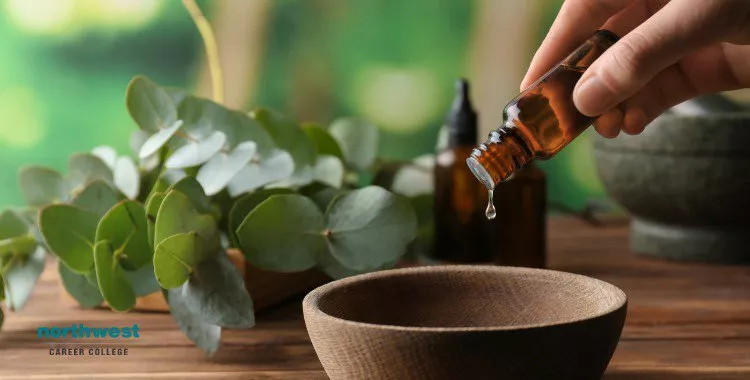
(504,152)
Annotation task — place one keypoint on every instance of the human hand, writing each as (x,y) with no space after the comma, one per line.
(670,51)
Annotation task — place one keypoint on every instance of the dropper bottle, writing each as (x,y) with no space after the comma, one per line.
(540,121)
(459,199)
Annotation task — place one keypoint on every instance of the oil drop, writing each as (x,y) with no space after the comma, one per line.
(490,213)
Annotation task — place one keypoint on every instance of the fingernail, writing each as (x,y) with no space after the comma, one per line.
(592,97)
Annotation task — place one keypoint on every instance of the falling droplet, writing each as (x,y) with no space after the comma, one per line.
(490,212)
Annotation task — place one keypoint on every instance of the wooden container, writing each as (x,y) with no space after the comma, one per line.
(465,322)
(265,288)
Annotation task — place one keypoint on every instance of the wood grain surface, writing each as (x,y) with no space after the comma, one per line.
(685,321)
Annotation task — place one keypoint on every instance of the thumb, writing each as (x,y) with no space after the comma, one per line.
(671,33)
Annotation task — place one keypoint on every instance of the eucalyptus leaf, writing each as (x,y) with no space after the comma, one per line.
(97,197)
(143,280)
(206,336)
(149,105)
(86,294)
(112,281)
(325,196)
(358,141)
(152,209)
(324,143)
(19,245)
(178,95)
(2,294)
(21,276)
(176,258)
(300,178)
(415,179)
(194,153)
(216,292)
(12,225)
(191,188)
(84,168)
(107,154)
(283,234)
(221,168)
(329,170)
(158,139)
(126,177)
(244,205)
(137,139)
(178,215)
(124,227)
(91,278)
(41,186)
(277,166)
(370,227)
(287,135)
(69,233)
(241,128)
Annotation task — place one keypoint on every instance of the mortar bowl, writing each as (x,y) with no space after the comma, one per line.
(465,322)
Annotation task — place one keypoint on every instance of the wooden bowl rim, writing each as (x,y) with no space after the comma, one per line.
(311,307)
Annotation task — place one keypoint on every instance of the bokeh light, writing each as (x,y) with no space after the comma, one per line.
(22,125)
(41,16)
(397,99)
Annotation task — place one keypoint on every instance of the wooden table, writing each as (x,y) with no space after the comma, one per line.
(684,322)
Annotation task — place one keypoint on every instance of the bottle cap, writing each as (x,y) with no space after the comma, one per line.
(462,119)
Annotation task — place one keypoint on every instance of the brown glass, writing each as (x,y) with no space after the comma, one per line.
(458,209)
(517,236)
(541,120)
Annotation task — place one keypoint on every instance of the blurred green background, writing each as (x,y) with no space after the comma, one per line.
(67,63)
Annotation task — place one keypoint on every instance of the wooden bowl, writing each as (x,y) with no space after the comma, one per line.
(465,322)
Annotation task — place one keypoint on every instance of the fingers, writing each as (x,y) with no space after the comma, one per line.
(678,28)
(577,21)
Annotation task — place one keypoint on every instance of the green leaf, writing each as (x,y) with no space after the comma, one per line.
(244,205)
(149,105)
(199,113)
(324,143)
(277,166)
(97,197)
(2,293)
(124,227)
(21,276)
(176,258)
(112,281)
(143,280)
(287,135)
(241,128)
(416,178)
(324,196)
(216,292)
(206,336)
(370,227)
(19,245)
(12,225)
(221,168)
(87,295)
(329,170)
(152,209)
(84,168)
(126,177)
(41,186)
(158,139)
(69,233)
(91,278)
(191,188)
(107,154)
(178,95)
(358,140)
(194,153)
(283,234)
(178,215)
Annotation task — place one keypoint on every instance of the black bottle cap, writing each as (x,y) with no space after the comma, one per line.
(462,119)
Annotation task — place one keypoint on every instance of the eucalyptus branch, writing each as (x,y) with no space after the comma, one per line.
(212,50)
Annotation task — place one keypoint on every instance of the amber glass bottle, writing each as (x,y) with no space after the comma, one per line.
(541,120)
(517,236)
(458,205)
